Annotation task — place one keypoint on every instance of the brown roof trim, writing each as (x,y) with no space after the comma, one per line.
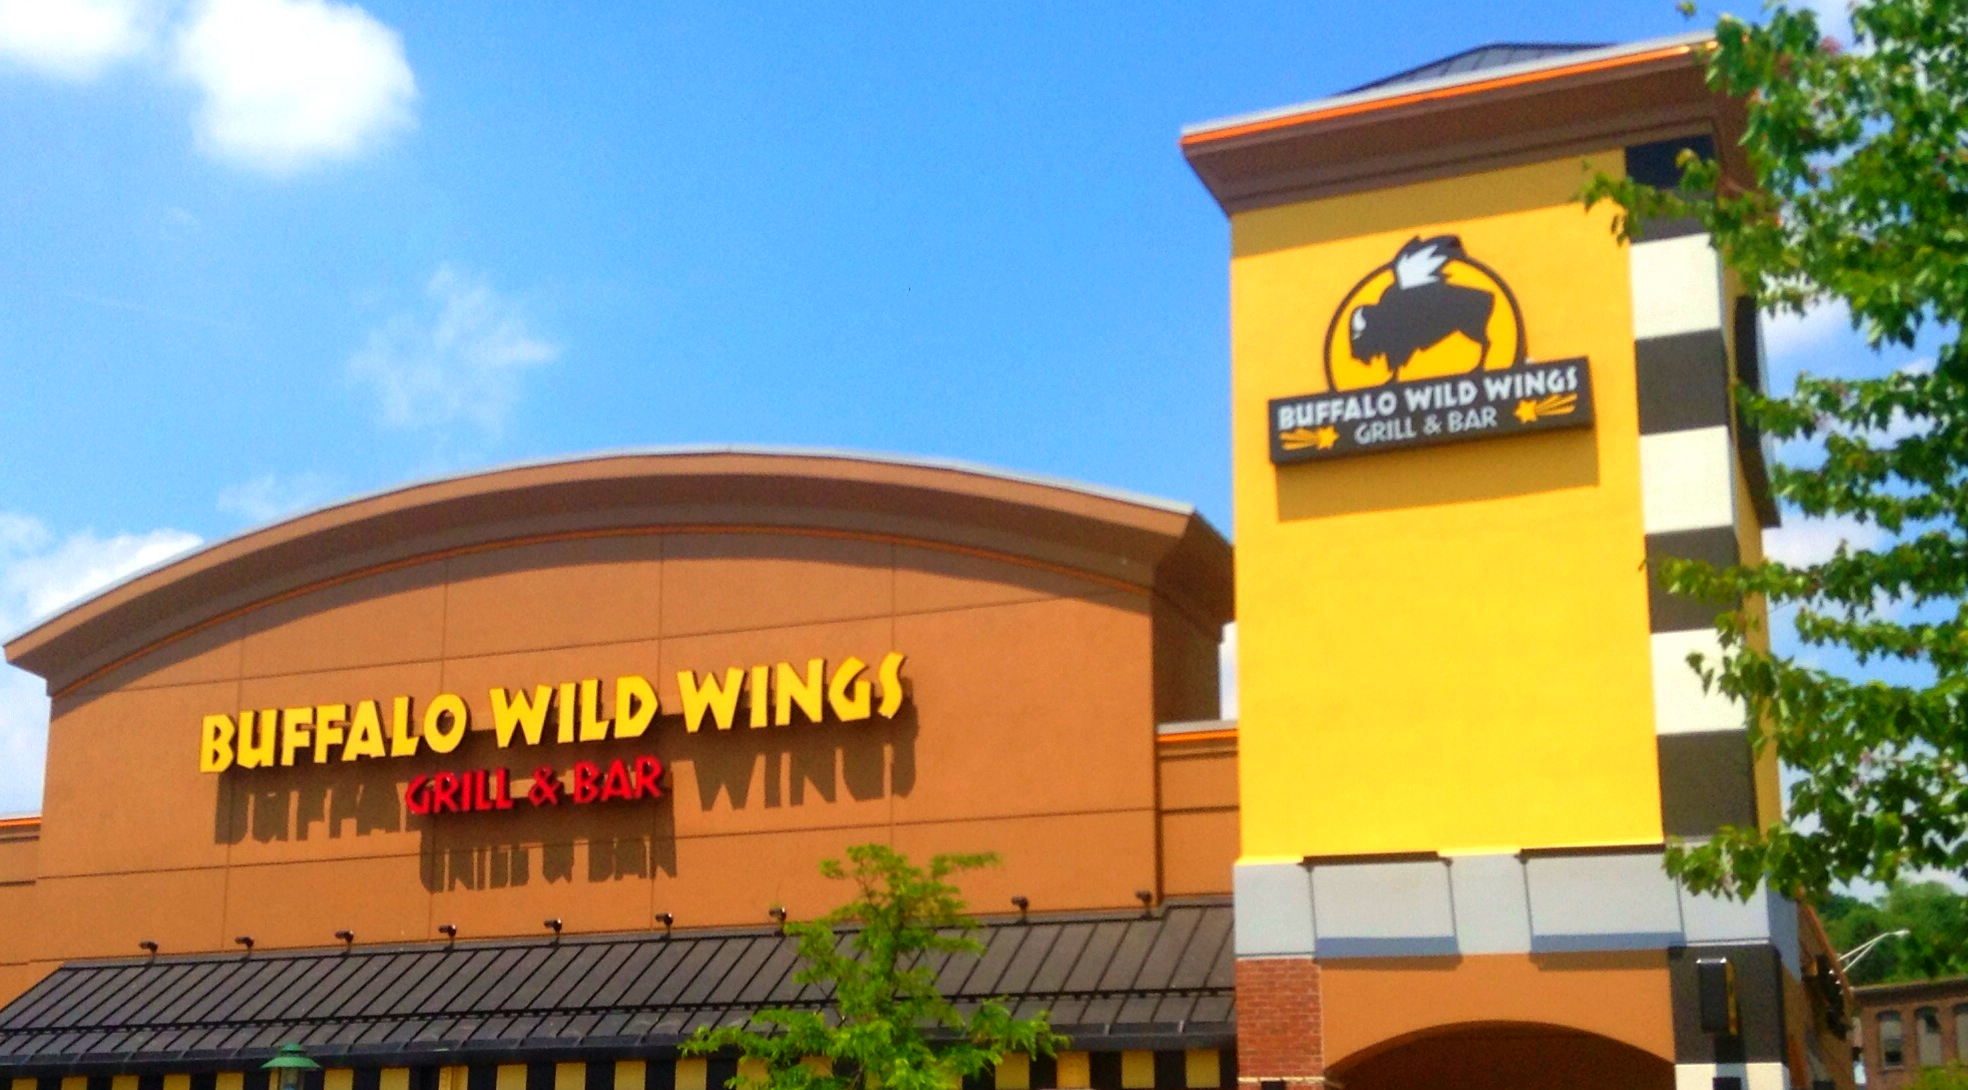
(1479,121)
(1111,538)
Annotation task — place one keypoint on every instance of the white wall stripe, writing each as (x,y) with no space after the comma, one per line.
(1687,480)
(1756,1076)
(1677,286)
(1680,705)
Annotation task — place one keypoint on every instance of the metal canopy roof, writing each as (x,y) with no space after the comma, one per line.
(1493,55)
(1110,981)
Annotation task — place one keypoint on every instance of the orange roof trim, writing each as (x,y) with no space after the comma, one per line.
(1440,93)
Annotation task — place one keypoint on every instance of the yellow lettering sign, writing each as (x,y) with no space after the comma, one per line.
(773,692)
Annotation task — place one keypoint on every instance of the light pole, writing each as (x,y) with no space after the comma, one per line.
(1852,956)
(290,1064)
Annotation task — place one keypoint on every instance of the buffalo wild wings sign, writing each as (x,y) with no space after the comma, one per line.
(1428,348)
(570,713)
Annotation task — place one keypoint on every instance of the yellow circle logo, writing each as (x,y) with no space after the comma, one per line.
(1431,311)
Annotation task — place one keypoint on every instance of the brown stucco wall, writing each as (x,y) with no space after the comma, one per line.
(1029,731)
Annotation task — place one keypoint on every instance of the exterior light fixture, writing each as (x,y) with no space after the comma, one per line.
(148,947)
(1857,954)
(1715,986)
(289,1066)
(448,930)
(666,920)
(1023,904)
(1147,899)
(347,937)
(778,914)
(552,925)
(246,941)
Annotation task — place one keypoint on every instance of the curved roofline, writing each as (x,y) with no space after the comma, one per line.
(136,614)
(957,465)
(1380,93)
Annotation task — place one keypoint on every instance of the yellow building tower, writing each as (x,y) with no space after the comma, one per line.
(1466,420)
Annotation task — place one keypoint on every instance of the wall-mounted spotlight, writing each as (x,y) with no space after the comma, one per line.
(1147,899)
(1715,991)
(1023,904)
(666,920)
(778,914)
(552,925)
(448,930)
(148,947)
(246,941)
(347,937)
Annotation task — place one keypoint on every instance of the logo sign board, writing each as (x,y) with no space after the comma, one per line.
(1428,348)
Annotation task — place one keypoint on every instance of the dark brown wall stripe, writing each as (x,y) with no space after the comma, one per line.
(1684,381)
(1675,613)
(1759,992)
(1707,781)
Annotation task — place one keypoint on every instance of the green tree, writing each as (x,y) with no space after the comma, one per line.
(1953,1076)
(1935,917)
(889,1026)
(1857,194)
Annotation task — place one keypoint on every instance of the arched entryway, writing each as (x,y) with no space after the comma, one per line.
(1504,1056)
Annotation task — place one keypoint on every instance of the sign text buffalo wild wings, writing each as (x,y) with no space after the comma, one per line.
(1428,348)
(568,713)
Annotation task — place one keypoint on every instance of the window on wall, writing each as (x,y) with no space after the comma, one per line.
(1892,1041)
(1961,1032)
(1927,1024)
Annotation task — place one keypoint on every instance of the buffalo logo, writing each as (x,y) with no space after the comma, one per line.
(1430,312)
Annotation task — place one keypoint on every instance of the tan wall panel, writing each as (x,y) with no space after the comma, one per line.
(339,809)
(540,882)
(304,904)
(20,859)
(559,594)
(1186,667)
(931,581)
(397,616)
(533,883)
(734,582)
(107,916)
(18,904)
(1197,775)
(1623,996)
(120,756)
(1041,707)
(1065,862)
(1199,848)
(210,655)
(15,980)
(735,879)
(804,774)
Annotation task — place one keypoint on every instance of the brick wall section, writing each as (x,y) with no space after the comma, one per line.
(1280,1027)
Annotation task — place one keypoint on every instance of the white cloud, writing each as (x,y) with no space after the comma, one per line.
(73,39)
(461,362)
(1834,16)
(290,83)
(38,576)
(1226,672)
(1802,541)
(270,496)
(1820,326)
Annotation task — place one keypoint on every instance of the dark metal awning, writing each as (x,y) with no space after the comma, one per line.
(1111,981)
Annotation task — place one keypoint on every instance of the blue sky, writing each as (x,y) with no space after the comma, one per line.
(259,254)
